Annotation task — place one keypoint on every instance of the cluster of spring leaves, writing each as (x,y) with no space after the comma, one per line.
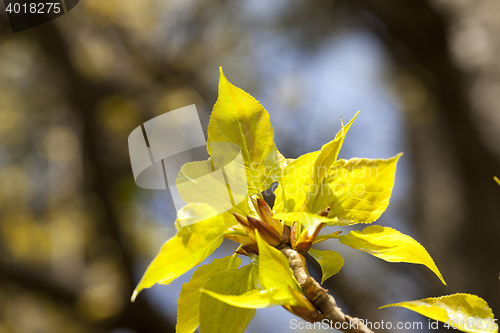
(316,190)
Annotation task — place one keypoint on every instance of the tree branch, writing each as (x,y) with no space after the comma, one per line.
(319,297)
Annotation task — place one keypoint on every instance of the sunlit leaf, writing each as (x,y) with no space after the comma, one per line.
(330,261)
(188,312)
(327,156)
(302,177)
(275,273)
(219,316)
(274,269)
(240,119)
(274,276)
(282,162)
(189,247)
(292,191)
(223,187)
(390,245)
(256,299)
(322,238)
(358,189)
(309,220)
(468,313)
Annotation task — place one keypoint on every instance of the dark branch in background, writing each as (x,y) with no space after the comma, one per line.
(27,278)
(84,97)
(319,297)
(43,284)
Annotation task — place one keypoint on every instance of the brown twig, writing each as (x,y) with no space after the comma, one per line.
(319,297)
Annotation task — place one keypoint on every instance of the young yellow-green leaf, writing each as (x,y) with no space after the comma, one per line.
(256,299)
(390,245)
(217,316)
(330,261)
(322,238)
(274,269)
(274,276)
(359,189)
(223,188)
(189,247)
(302,178)
(468,313)
(240,119)
(329,152)
(282,162)
(188,311)
(293,189)
(253,282)
(309,220)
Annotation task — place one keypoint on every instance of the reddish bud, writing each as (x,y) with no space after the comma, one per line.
(249,229)
(266,231)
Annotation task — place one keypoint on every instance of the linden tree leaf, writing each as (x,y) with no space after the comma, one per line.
(240,119)
(330,261)
(188,311)
(390,245)
(189,247)
(219,316)
(468,313)
(358,189)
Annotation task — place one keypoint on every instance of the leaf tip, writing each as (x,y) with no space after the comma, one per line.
(134,295)
(222,76)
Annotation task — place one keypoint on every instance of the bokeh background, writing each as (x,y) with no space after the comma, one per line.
(76,233)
